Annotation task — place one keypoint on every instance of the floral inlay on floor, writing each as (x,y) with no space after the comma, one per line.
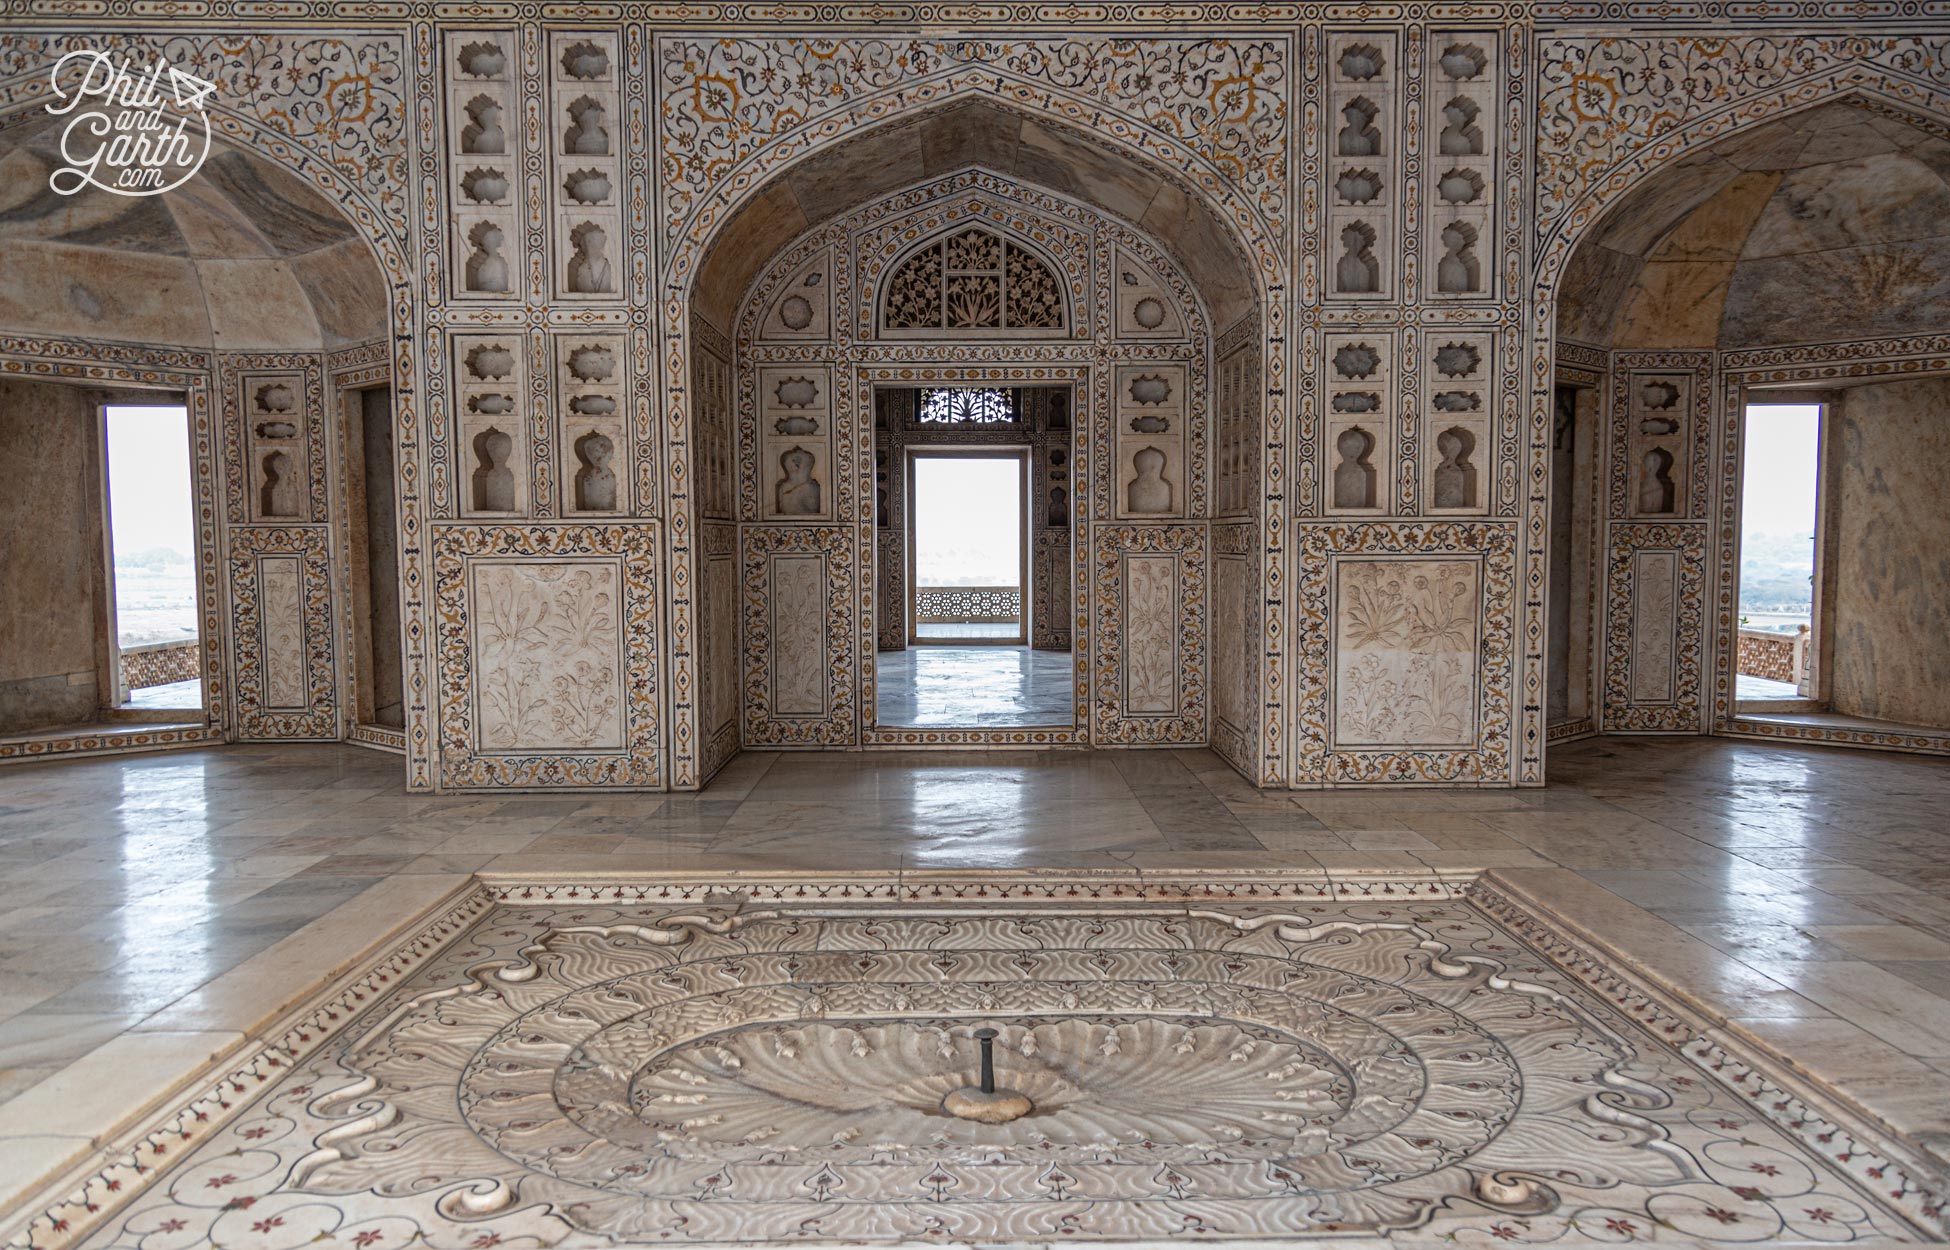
(780,1061)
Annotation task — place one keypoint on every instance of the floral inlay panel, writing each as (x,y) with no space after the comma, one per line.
(549,662)
(1405,635)
(1405,653)
(281,632)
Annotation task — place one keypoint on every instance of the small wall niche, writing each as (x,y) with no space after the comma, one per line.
(1457,220)
(276,415)
(1357,445)
(1361,134)
(588,244)
(1658,440)
(592,431)
(483,143)
(1456,421)
(491,397)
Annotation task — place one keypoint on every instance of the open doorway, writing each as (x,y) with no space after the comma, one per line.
(977,522)
(1778,653)
(151,530)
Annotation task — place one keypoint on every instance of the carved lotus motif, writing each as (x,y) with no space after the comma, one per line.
(592,405)
(1360,62)
(796,425)
(1357,360)
(585,61)
(485,186)
(490,362)
(1357,401)
(1150,388)
(1659,394)
(483,60)
(592,364)
(1460,186)
(276,397)
(1358,186)
(588,186)
(1457,360)
(796,312)
(493,404)
(1462,60)
(1457,401)
(1148,313)
(797,392)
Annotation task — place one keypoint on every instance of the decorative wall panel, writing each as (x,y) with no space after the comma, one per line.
(1459,229)
(583,137)
(799,683)
(1655,587)
(492,431)
(282,642)
(719,667)
(483,166)
(1390,618)
(1234,647)
(1151,629)
(549,660)
(593,433)
(1457,438)
(1359,448)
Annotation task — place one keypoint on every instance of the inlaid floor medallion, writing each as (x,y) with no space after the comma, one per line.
(803,1062)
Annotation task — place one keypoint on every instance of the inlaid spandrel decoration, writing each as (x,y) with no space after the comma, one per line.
(1461,99)
(1405,648)
(491,424)
(276,443)
(1358,448)
(1457,422)
(1148,408)
(802,308)
(481,94)
(584,139)
(795,407)
(1362,141)
(1658,440)
(974,283)
(592,426)
(1357,1058)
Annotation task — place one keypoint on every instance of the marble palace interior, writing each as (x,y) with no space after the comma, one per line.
(631,623)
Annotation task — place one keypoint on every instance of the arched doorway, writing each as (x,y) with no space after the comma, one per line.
(1749,364)
(1159,615)
(247,312)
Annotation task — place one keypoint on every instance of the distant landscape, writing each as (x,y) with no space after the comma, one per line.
(155,597)
(1776,591)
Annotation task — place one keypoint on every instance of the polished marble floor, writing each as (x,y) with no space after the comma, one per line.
(980,687)
(156,909)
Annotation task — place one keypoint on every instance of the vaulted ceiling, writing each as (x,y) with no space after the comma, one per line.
(1832,223)
(243,256)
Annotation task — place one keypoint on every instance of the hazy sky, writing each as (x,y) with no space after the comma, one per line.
(1777,493)
(149,480)
(967,521)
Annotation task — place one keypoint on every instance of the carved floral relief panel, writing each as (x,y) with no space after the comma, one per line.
(800,672)
(281,632)
(1405,652)
(1655,628)
(1150,588)
(1405,636)
(548,658)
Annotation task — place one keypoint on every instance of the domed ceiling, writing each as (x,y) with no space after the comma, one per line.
(1833,223)
(244,256)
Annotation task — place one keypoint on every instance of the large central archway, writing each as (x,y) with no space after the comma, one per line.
(1095,213)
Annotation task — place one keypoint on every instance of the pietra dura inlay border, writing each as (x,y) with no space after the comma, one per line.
(759,1058)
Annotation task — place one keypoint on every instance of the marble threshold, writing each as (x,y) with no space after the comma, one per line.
(97,1108)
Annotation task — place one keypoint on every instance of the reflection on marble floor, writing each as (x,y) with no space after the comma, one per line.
(979,687)
(1798,895)
(763,1060)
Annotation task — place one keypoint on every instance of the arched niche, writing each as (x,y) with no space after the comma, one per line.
(261,306)
(1131,344)
(1805,250)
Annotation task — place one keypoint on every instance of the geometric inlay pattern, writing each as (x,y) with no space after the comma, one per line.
(621,1062)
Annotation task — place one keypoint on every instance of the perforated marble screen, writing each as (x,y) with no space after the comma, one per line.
(598,1065)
